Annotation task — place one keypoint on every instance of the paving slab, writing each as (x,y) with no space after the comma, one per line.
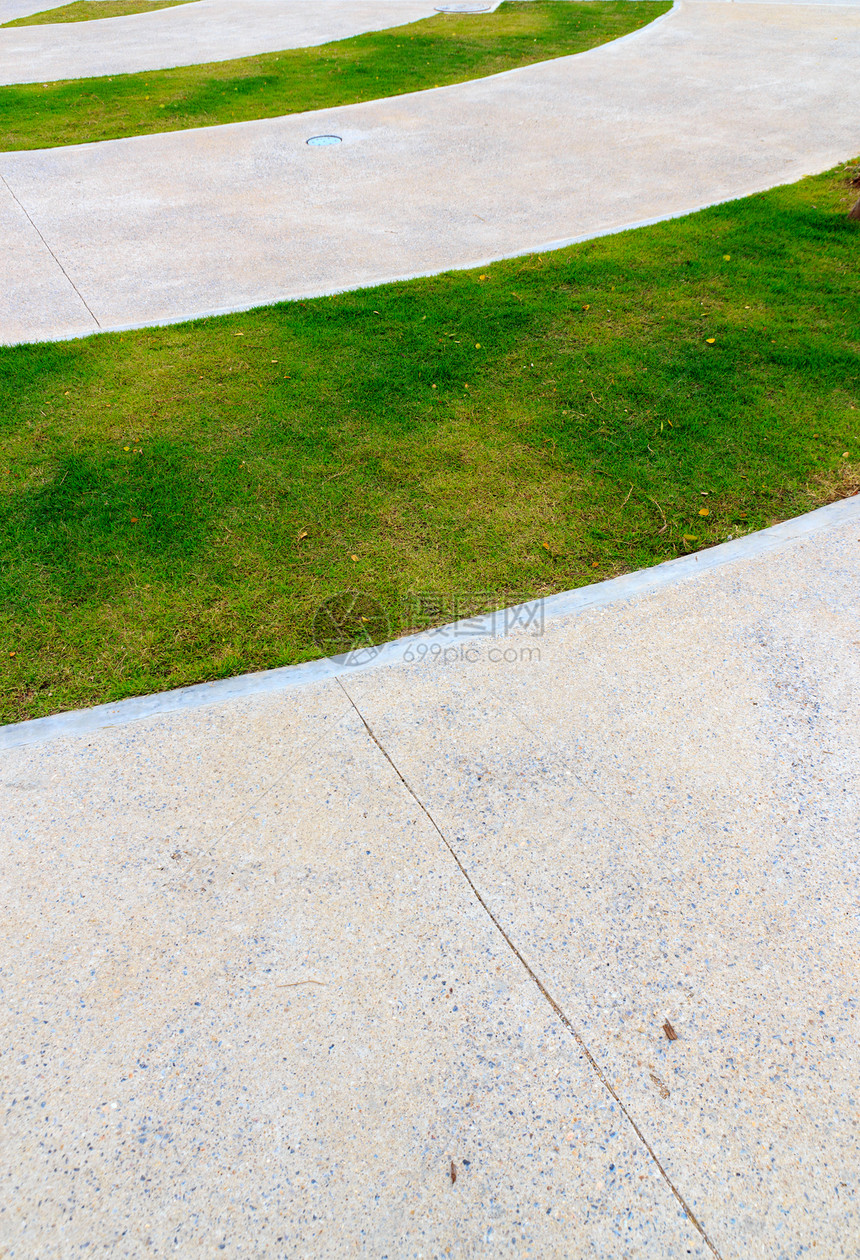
(711,102)
(36,293)
(662,806)
(260,1011)
(188,34)
(275,962)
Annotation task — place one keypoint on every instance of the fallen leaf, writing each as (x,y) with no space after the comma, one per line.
(126,448)
(13,653)
(710,340)
(704,511)
(303,533)
(134,520)
(670,1031)
(477,345)
(845,454)
(594,564)
(546,545)
(662,1089)
(691,538)
(727,257)
(453,1172)
(482,277)
(353,557)
(587,308)
(238,334)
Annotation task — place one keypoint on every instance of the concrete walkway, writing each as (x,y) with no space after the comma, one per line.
(207,30)
(713,101)
(278,969)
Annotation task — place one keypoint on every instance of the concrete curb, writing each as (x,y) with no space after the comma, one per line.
(492,626)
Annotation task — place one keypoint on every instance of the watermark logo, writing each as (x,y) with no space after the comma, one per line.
(351,625)
(470,653)
(467,616)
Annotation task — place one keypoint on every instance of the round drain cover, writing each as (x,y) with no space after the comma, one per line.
(318,140)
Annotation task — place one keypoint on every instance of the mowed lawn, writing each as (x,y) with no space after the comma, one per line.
(176,503)
(448,48)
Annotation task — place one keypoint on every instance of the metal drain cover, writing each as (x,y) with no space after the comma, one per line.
(320,140)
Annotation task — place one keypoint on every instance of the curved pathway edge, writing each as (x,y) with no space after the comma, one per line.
(510,622)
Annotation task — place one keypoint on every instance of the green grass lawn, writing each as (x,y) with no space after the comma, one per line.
(89,10)
(440,50)
(176,503)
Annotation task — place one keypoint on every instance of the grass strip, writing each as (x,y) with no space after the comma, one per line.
(91,10)
(176,504)
(445,49)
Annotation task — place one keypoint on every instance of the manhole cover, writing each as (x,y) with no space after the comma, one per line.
(320,140)
(351,624)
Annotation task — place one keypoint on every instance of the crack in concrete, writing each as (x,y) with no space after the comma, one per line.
(545,993)
(27,216)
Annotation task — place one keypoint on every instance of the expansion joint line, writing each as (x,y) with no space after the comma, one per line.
(26,214)
(539,984)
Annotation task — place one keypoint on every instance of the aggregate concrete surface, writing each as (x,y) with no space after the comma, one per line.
(713,101)
(381,964)
(205,30)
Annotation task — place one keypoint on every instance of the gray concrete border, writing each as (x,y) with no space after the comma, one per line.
(566,604)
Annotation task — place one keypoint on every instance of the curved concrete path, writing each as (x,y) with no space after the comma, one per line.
(713,101)
(278,969)
(11,10)
(190,34)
